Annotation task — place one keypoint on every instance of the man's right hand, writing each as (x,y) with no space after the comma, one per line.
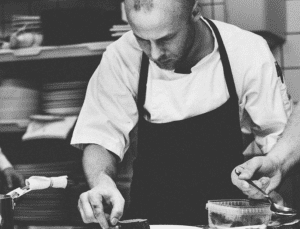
(263,170)
(93,203)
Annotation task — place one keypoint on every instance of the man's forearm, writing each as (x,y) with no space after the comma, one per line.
(97,161)
(287,149)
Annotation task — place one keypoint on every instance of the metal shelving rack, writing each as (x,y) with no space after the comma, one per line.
(52,52)
(43,53)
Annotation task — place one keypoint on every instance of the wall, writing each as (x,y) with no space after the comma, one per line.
(291,49)
(288,55)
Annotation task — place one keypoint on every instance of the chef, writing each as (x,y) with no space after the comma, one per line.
(192,86)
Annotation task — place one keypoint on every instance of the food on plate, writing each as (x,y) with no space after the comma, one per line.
(134,224)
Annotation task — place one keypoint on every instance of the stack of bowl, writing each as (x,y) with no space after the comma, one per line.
(31,24)
(63,98)
(119,30)
(18,98)
(26,31)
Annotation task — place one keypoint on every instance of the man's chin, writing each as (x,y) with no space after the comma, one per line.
(168,67)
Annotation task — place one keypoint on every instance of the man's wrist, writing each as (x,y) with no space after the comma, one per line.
(277,163)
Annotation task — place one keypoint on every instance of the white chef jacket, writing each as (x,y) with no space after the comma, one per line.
(109,111)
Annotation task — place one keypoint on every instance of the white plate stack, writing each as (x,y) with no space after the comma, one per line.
(119,30)
(19,100)
(63,98)
(50,206)
(26,23)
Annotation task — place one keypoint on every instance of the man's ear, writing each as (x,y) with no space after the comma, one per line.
(196,12)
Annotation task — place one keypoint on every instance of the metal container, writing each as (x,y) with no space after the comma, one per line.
(6,212)
(237,213)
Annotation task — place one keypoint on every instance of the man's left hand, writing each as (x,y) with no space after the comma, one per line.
(263,170)
(13,178)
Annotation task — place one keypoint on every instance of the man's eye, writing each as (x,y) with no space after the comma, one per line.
(165,40)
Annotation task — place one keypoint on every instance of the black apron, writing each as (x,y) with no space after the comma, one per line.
(183,164)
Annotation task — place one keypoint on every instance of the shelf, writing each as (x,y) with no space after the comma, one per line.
(53,52)
(13,126)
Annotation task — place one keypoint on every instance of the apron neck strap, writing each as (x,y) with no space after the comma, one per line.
(225,61)
(143,84)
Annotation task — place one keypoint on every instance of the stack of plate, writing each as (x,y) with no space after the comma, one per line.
(63,98)
(119,30)
(26,23)
(51,205)
(19,100)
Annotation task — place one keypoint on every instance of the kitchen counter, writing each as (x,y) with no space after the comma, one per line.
(75,227)
(57,227)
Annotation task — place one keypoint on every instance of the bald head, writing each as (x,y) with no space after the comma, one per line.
(148,5)
(145,4)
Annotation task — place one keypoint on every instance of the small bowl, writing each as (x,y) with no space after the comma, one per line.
(237,213)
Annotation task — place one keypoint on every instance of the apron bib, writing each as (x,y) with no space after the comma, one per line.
(183,164)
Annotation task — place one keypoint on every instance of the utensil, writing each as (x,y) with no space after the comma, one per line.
(289,221)
(276,208)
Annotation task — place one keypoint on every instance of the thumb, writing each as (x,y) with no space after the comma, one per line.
(247,170)
(117,211)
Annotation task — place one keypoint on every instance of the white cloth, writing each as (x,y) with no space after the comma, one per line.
(41,182)
(58,129)
(109,111)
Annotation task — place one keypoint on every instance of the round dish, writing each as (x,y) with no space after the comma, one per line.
(166,226)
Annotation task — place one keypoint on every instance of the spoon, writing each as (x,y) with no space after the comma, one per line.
(276,208)
(283,222)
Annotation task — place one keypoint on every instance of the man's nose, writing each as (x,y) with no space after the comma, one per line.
(156,51)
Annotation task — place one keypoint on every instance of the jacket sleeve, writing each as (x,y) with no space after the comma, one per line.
(267,105)
(109,111)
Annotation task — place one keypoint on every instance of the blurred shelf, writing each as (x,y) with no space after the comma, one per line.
(53,52)
(13,126)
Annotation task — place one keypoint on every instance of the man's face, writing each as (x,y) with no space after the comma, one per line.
(163,33)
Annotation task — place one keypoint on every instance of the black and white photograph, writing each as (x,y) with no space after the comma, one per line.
(149,114)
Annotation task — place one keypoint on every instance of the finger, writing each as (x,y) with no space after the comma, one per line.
(262,184)
(21,180)
(254,193)
(273,183)
(118,207)
(241,184)
(265,182)
(82,214)
(9,181)
(85,209)
(248,169)
(98,209)
(18,180)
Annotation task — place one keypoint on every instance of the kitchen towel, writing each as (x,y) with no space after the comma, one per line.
(40,129)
